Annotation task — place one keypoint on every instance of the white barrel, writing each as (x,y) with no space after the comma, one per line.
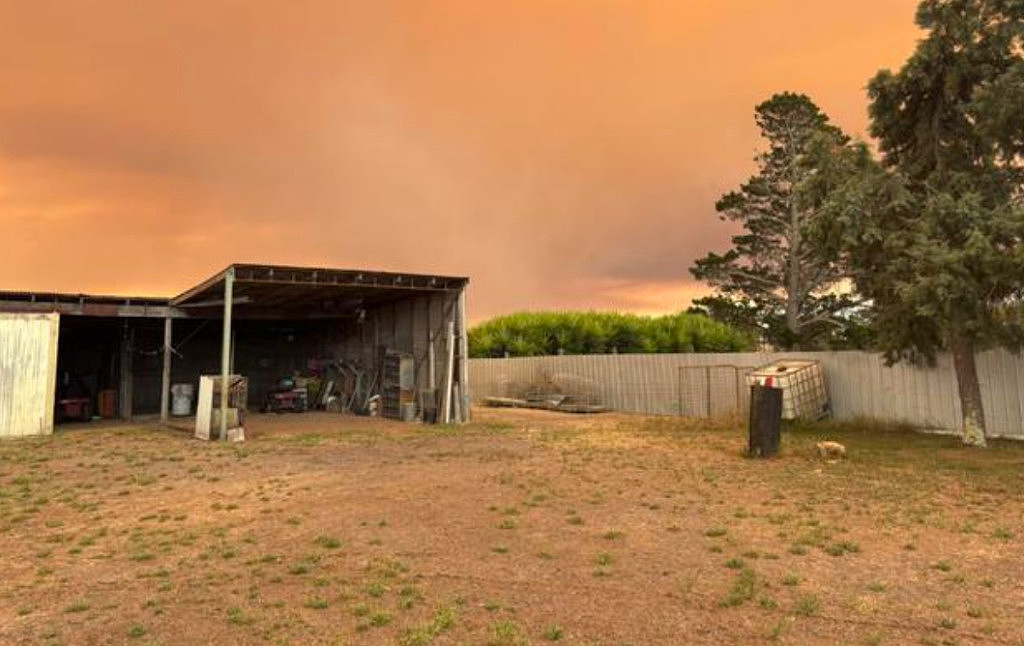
(181,399)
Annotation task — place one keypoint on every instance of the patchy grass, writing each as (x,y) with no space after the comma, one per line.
(522,528)
(807,605)
(328,542)
(743,589)
(507,633)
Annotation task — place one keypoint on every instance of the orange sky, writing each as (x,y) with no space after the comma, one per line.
(561,153)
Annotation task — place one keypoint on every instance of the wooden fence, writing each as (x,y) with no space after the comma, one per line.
(860,384)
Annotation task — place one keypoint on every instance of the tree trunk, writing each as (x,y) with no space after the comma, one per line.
(972,410)
(793,287)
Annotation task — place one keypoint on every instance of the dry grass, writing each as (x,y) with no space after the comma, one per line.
(524,527)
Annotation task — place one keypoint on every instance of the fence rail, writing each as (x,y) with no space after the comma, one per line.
(859,384)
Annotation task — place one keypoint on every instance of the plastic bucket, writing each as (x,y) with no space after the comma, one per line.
(181,399)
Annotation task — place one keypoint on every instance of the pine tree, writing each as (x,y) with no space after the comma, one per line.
(777,268)
(935,236)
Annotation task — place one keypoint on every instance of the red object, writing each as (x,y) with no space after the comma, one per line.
(106,404)
(769,382)
(294,401)
(74,409)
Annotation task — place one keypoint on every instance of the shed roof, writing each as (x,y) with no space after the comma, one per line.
(263,291)
(84,304)
(260,291)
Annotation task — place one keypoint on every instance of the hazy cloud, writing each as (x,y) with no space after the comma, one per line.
(562,153)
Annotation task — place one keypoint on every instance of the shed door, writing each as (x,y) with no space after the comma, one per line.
(28,373)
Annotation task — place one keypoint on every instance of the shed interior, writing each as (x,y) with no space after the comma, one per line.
(286,323)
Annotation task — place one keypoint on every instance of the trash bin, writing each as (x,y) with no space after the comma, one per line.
(181,399)
(765,421)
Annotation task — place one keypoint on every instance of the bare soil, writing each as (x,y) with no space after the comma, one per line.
(525,527)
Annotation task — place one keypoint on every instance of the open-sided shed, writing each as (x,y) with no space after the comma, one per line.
(261,321)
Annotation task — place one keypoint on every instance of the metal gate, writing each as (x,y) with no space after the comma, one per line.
(712,391)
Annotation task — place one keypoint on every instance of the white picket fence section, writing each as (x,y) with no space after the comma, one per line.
(860,384)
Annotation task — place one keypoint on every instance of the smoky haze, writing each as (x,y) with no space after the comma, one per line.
(561,153)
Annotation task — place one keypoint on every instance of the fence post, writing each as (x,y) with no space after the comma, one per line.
(707,385)
(736,387)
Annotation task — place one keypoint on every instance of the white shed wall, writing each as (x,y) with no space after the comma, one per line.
(28,373)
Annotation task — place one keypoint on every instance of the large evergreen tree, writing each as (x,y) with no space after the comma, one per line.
(777,273)
(935,238)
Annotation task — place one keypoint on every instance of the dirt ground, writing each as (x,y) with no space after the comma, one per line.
(522,528)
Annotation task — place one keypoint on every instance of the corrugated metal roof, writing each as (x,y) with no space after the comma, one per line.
(261,289)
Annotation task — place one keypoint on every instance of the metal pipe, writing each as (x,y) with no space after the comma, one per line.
(225,352)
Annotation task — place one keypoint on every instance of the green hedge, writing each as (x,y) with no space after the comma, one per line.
(531,334)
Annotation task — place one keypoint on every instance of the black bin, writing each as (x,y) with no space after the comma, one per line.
(765,421)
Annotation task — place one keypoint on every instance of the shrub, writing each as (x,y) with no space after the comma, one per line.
(529,334)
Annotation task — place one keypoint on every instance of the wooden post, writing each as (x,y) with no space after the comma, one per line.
(736,382)
(122,372)
(130,381)
(431,367)
(225,352)
(463,358)
(456,404)
(165,383)
(707,384)
(125,393)
(431,354)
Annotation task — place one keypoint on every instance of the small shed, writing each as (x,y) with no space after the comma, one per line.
(117,356)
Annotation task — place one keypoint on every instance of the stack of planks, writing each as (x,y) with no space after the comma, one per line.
(559,403)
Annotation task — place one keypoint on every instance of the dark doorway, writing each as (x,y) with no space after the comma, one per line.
(88,368)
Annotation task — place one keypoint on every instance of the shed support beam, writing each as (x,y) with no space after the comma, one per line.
(446,396)
(463,358)
(165,382)
(431,362)
(225,352)
(107,310)
(127,377)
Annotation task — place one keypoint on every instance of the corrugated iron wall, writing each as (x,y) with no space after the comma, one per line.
(28,373)
(859,384)
(406,326)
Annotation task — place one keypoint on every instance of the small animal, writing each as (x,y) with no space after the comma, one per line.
(831,450)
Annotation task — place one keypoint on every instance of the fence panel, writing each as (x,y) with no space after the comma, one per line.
(859,385)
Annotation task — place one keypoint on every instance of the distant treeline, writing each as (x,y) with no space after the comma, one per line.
(530,334)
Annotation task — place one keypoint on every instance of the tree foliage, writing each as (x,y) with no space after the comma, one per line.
(853,329)
(778,270)
(934,236)
(530,334)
